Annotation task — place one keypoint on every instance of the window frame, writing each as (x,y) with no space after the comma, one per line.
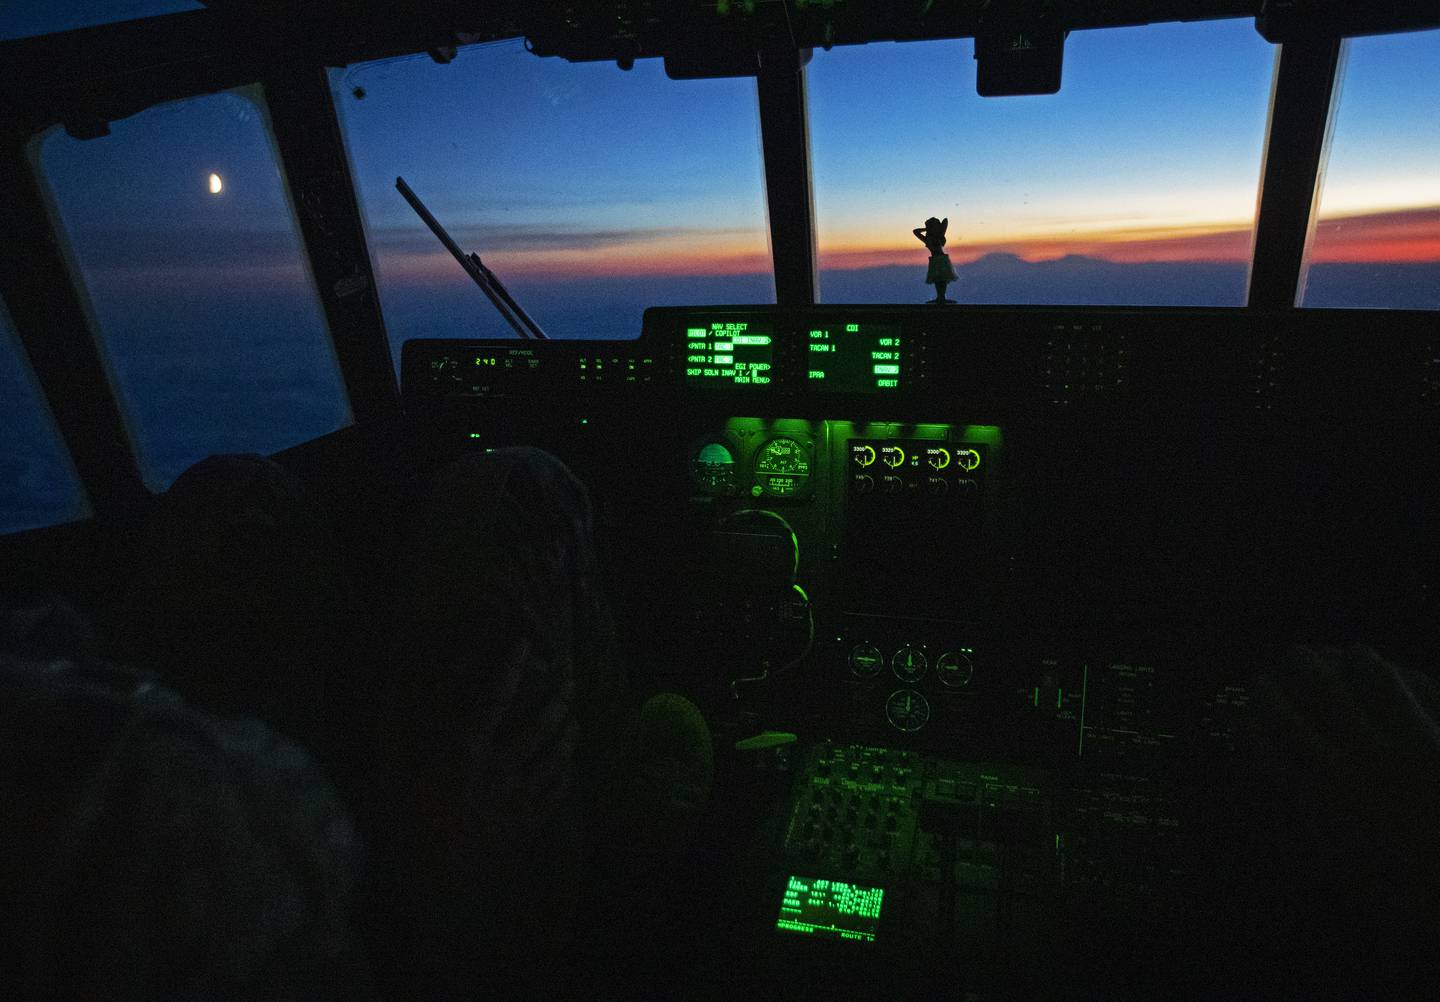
(74,277)
(133,69)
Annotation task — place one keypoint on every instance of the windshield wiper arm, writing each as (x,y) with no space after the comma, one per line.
(498,295)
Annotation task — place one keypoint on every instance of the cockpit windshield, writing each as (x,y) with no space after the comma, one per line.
(1135,184)
(592,192)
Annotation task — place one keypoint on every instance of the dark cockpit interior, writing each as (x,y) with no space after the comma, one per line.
(1036,651)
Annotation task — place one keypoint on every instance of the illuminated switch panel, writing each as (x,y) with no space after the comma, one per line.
(855,812)
(615,369)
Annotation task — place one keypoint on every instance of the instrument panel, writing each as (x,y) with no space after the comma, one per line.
(1196,474)
(1131,364)
(828,356)
(1022,562)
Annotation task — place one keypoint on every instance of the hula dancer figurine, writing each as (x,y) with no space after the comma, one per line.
(941,272)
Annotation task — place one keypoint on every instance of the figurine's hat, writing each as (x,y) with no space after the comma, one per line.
(937,225)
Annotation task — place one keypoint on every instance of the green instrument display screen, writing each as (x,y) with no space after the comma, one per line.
(831,909)
(855,358)
(728,353)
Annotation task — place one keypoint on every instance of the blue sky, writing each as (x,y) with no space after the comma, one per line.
(595,193)
(564,161)
(1153,127)
(1151,151)
(23,18)
(557,172)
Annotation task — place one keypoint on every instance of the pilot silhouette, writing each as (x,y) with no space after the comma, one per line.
(941,272)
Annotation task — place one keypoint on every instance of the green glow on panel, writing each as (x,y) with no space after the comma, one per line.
(832,909)
(728,355)
(714,452)
(887,370)
(985,434)
(745,426)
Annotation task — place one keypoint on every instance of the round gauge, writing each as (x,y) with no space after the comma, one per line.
(907,710)
(909,663)
(955,668)
(866,661)
(712,468)
(782,467)
(445,370)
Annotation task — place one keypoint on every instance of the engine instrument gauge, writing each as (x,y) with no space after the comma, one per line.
(782,467)
(907,710)
(955,668)
(866,661)
(712,469)
(909,663)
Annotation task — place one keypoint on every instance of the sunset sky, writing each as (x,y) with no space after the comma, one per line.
(1151,152)
(596,193)
(556,171)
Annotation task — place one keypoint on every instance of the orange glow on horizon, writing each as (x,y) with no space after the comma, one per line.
(628,261)
(1410,235)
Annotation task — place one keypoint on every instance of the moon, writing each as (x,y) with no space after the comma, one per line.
(216,185)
